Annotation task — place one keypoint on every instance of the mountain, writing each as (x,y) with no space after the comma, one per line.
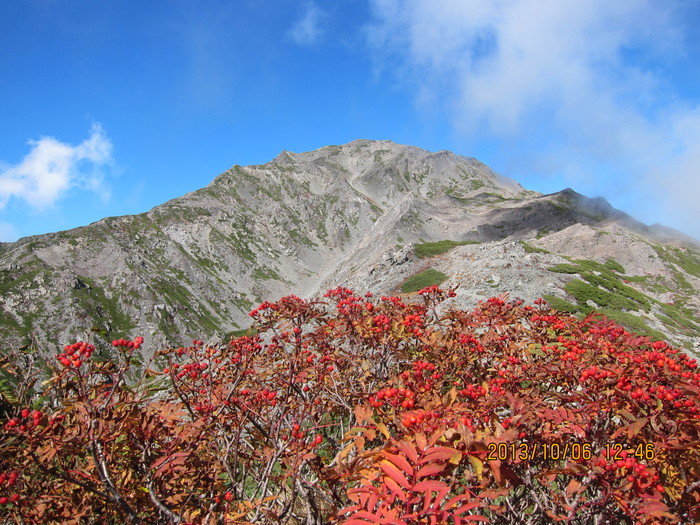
(369,215)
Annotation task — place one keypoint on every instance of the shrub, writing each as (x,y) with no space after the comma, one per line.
(356,410)
(565,268)
(423,279)
(612,264)
(529,248)
(430,249)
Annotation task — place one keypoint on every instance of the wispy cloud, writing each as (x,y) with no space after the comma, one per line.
(52,168)
(210,65)
(581,82)
(308,30)
(8,232)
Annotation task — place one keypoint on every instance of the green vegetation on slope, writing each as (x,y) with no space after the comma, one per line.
(688,260)
(429,249)
(602,284)
(420,280)
(529,248)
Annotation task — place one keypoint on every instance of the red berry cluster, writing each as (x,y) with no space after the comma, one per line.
(204,408)
(496,383)
(640,393)
(394,397)
(665,393)
(435,293)
(296,432)
(423,377)
(472,342)
(571,350)
(125,343)
(74,355)
(265,305)
(347,303)
(23,422)
(593,372)
(192,370)
(467,422)
(269,396)
(414,323)
(473,391)
(380,323)
(497,301)
(339,293)
(393,301)
(8,480)
(547,320)
(428,419)
(297,435)
(628,466)
(287,304)
(227,497)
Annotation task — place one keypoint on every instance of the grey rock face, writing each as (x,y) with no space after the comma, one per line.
(342,215)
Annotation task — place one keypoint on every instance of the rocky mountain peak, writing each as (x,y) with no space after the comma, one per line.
(367,214)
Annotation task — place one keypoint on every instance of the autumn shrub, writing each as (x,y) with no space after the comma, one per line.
(357,410)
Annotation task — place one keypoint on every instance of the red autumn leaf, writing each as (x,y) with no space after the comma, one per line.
(394,473)
(399,461)
(395,489)
(430,470)
(430,486)
(438,454)
(409,450)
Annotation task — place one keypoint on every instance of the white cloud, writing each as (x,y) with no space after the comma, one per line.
(308,30)
(52,168)
(580,81)
(675,174)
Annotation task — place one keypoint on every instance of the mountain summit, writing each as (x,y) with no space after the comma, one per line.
(371,215)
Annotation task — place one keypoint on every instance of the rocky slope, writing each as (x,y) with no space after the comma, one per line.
(360,215)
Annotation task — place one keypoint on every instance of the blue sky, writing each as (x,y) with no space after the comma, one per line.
(112,107)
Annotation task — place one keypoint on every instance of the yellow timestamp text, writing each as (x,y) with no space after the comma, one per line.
(521,451)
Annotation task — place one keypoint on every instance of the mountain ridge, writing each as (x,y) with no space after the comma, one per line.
(195,265)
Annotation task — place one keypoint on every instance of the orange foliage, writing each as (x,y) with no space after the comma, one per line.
(353,410)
